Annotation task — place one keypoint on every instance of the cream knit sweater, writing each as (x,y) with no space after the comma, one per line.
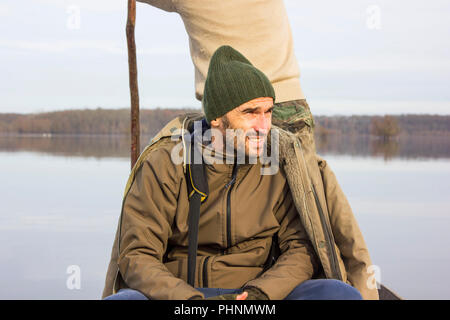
(259,29)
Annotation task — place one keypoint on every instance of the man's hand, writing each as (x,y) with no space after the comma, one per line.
(254,293)
(250,293)
(242,296)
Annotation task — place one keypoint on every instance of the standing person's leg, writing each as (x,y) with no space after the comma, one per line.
(127,294)
(131,294)
(292,115)
(324,289)
(295,116)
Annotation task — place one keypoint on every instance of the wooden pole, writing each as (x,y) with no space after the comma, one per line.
(134,93)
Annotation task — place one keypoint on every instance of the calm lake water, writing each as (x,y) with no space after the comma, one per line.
(61,199)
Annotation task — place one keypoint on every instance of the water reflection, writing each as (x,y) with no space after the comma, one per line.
(97,146)
(388,149)
(403,147)
(103,146)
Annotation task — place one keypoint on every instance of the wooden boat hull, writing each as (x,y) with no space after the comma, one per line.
(387,294)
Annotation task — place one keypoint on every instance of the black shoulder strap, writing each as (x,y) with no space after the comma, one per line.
(197,187)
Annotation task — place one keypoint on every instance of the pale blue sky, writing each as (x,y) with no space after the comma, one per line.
(351,62)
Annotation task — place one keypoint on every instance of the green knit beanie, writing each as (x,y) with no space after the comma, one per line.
(231,81)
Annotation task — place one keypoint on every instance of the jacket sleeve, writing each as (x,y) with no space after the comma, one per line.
(347,235)
(166,5)
(297,262)
(147,216)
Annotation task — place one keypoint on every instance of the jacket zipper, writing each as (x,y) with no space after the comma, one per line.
(327,233)
(205,272)
(230,184)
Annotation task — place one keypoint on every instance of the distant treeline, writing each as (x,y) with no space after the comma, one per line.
(88,121)
(409,124)
(117,121)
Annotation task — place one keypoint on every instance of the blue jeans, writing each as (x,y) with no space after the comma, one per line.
(319,289)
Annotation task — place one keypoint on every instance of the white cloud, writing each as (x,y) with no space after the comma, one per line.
(112,47)
(62,46)
(5,10)
(97,5)
(373,107)
(379,64)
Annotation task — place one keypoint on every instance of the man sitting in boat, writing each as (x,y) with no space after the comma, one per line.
(298,209)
